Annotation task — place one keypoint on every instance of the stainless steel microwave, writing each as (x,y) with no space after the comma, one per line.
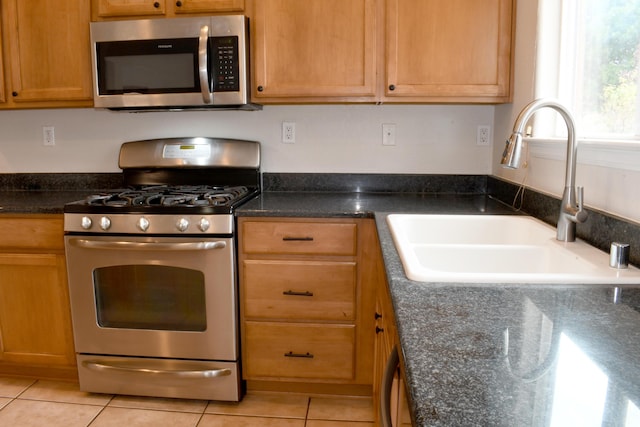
(175,63)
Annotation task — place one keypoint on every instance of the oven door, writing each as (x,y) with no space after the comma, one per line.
(163,297)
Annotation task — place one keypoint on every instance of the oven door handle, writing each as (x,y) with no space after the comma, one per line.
(187,373)
(144,246)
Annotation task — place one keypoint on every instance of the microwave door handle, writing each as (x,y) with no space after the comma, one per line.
(203,72)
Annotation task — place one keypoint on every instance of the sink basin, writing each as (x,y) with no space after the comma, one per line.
(497,249)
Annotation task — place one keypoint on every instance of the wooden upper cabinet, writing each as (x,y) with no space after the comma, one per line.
(120,8)
(208,6)
(104,9)
(453,50)
(2,81)
(47,51)
(313,50)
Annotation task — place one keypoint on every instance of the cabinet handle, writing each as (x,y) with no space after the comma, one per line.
(390,370)
(297,239)
(299,294)
(306,355)
(14,93)
(379,329)
(392,87)
(156,5)
(260,88)
(179,4)
(378,316)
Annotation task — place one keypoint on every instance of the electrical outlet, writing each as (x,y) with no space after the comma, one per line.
(288,132)
(388,134)
(48,136)
(483,136)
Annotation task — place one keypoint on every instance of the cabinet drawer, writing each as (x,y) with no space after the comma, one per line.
(299,238)
(299,351)
(32,233)
(313,290)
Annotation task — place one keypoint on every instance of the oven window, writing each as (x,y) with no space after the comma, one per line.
(150,297)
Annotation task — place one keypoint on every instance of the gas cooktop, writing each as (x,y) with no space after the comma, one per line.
(183,181)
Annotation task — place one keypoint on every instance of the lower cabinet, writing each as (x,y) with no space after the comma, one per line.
(307,294)
(35,319)
(389,391)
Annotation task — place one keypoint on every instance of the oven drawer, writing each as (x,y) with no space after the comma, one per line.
(299,238)
(314,290)
(299,351)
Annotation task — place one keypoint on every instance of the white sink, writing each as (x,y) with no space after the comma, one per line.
(497,249)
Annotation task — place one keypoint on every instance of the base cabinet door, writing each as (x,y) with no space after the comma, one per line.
(35,319)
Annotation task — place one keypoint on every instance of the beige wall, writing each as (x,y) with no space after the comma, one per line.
(329,138)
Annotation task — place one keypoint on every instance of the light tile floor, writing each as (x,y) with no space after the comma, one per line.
(37,403)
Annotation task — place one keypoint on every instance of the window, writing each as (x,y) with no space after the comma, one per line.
(589,59)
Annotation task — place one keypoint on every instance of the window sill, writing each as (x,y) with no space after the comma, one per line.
(611,154)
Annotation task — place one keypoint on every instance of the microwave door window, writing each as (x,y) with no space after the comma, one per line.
(149,73)
(143,67)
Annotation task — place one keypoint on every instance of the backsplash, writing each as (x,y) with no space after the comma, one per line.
(59,181)
(375,183)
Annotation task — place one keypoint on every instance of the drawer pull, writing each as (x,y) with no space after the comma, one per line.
(306,355)
(299,294)
(297,239)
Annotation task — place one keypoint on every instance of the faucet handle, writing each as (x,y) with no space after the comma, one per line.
(581,214)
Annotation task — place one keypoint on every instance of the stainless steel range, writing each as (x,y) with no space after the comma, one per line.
(152,270)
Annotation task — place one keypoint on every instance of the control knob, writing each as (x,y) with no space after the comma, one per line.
(204,224)
(143,224)
(105,223)
(182,224)
(86,222)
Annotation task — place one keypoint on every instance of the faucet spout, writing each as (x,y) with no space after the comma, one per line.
(572,208)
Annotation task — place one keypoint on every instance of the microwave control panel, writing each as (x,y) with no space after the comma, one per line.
(225,63)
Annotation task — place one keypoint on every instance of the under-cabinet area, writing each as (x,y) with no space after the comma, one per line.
(307,289)
(35,320)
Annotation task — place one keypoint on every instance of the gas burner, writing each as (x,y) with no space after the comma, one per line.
(165,195)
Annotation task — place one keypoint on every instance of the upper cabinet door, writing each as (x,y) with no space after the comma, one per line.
(49,50)
(208,6)
(119,8)
(2,81)
(104,9)
(313,50)
(448,51)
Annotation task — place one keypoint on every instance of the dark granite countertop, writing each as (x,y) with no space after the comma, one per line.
(488,355)
(38,202)
(47,193)
(365,205)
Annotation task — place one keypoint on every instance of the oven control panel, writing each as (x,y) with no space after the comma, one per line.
(148,224)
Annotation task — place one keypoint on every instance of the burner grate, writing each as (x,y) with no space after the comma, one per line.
(164,195)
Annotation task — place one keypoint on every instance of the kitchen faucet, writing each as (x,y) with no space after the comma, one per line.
(570,211)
